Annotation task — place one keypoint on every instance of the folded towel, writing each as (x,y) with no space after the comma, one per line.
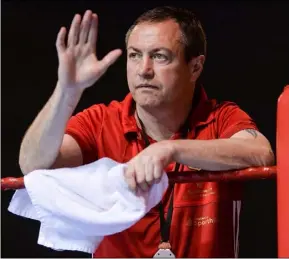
(78,206)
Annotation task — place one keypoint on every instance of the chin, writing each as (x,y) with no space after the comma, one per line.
(147,101)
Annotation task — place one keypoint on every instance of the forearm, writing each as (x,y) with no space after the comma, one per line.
(221,154)
(43,139)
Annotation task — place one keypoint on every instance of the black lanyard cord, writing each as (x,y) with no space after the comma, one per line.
(165,224)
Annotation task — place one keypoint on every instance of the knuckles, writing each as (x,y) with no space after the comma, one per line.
(142,174)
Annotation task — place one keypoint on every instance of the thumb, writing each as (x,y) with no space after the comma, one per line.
(110,58)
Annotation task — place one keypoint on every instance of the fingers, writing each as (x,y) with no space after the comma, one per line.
(92,35)
(144,171)
(85,27)
(60,41)
(149,173)
(110,58)
(83,31)
(141,179)
(157,172)
(129,175)
(135,176)
(74,31)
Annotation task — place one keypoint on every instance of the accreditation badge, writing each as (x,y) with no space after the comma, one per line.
(164,251)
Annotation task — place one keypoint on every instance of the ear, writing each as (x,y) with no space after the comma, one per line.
(196,67)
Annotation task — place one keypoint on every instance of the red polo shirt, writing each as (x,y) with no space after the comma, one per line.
(203,213)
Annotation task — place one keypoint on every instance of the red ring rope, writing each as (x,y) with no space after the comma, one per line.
(250,173)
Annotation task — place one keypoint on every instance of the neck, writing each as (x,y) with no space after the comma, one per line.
(161,124)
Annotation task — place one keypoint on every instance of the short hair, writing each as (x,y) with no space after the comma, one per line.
(192,34)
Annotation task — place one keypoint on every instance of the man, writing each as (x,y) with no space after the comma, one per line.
(166,122)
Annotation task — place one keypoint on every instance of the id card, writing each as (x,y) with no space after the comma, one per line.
(164,253)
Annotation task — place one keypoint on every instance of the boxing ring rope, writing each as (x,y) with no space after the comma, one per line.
(251,173)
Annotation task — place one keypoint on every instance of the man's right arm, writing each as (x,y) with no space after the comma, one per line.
(45,145)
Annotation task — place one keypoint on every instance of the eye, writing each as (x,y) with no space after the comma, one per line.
(160,57)
(134,55)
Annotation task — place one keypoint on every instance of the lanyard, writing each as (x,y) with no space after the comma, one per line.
(165,224)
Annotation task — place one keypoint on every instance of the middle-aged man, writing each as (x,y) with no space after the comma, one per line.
(166,122)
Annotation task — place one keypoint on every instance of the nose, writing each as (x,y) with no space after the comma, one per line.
(146,68)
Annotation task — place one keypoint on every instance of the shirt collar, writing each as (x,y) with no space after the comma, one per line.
(201,112)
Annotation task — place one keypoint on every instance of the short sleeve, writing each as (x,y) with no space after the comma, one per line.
(232,119)
(85,127)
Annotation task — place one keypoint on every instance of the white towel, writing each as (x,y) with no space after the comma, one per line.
(77,207)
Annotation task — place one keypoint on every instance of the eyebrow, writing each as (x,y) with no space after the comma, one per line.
(153,50)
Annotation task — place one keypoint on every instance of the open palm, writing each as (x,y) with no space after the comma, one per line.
(79,66)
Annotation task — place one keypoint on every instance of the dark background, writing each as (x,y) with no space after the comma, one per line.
(248,63)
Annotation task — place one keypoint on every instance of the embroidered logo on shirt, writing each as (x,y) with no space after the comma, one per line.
(199,192)
(201,221)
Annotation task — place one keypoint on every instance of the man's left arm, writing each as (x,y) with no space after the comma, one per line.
(246,148)
(239,145)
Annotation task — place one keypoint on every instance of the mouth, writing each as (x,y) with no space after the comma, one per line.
(147,86)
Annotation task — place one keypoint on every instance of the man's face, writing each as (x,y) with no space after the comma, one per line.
(156,69)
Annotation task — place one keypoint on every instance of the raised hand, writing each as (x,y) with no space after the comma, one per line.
(79,67)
